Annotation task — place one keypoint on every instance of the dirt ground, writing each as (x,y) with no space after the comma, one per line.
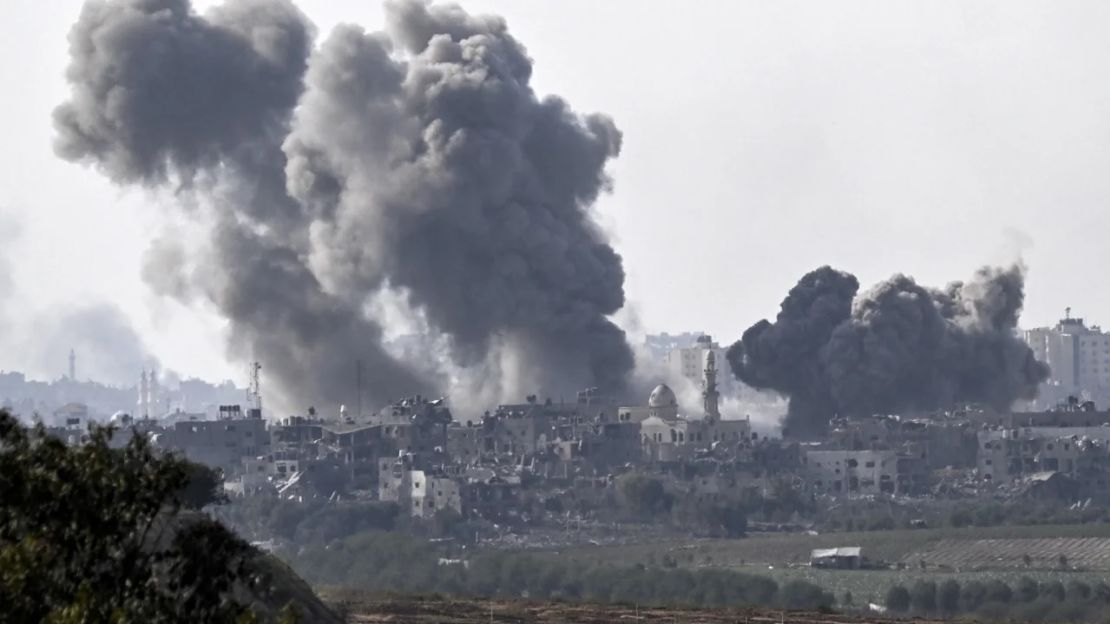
(455,611)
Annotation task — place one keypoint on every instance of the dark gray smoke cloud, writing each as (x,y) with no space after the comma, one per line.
(418,160)
(163,96)
(431,164)
(898,346)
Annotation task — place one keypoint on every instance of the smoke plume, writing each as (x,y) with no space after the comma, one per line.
(899,346)
(38,341)
(415,160)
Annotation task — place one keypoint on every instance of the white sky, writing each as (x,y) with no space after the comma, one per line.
(762,139)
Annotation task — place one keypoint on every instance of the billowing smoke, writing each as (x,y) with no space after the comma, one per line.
(108,348)
(415,160)
(899,346)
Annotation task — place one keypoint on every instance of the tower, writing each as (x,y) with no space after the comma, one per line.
(710,396)
(144,397)
(254,391)
(72,365)
(154,395)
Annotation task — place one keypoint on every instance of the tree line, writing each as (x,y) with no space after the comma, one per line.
(393,562)
(1027,600)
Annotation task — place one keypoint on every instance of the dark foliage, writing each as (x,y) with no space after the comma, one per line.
(91,534)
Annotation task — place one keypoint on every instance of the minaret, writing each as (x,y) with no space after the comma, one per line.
(710,396)
(72,366)
(144,397)
(154,398)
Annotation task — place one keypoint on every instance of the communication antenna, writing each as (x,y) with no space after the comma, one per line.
(1067,313)
(254,393)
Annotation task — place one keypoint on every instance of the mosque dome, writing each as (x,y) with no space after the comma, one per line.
(662,396)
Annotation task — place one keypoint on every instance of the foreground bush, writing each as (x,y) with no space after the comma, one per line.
(92,534)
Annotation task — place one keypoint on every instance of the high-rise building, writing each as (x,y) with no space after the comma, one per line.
(689,362)
(1078,355)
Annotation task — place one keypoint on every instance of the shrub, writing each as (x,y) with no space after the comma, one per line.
(898,599)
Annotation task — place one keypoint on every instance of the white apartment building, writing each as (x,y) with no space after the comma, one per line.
(689,362)
(1079,357)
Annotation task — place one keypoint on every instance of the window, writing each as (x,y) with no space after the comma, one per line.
(869,464)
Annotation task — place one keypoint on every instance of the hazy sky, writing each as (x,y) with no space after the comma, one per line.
(761,140)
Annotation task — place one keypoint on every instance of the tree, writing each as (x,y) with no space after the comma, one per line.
(1053,590)
(92,534)
(1026,589)
(730,518)
(643,495)
(802,595)
(1078,591)
(972,595)
(923,597)
(997,591)
(948,597)
(898,599)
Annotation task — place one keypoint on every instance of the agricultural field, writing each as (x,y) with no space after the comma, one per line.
(793,549)
(1083,553)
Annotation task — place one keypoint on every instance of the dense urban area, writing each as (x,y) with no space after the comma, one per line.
(589,499)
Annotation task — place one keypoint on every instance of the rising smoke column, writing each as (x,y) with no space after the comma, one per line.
(417,160)
(785,356)
(163,97)
(431,165)
(898,346)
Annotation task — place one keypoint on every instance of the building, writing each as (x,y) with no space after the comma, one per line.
(688,362)
(72,416)
(864,472)
(422,493)
(219,443)
(1078,355)
(1079,453)
(843,558)
(660,345)
(667,436)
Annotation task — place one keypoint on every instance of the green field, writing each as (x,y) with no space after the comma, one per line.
(793,549)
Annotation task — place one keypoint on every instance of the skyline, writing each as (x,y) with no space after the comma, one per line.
(715,215)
